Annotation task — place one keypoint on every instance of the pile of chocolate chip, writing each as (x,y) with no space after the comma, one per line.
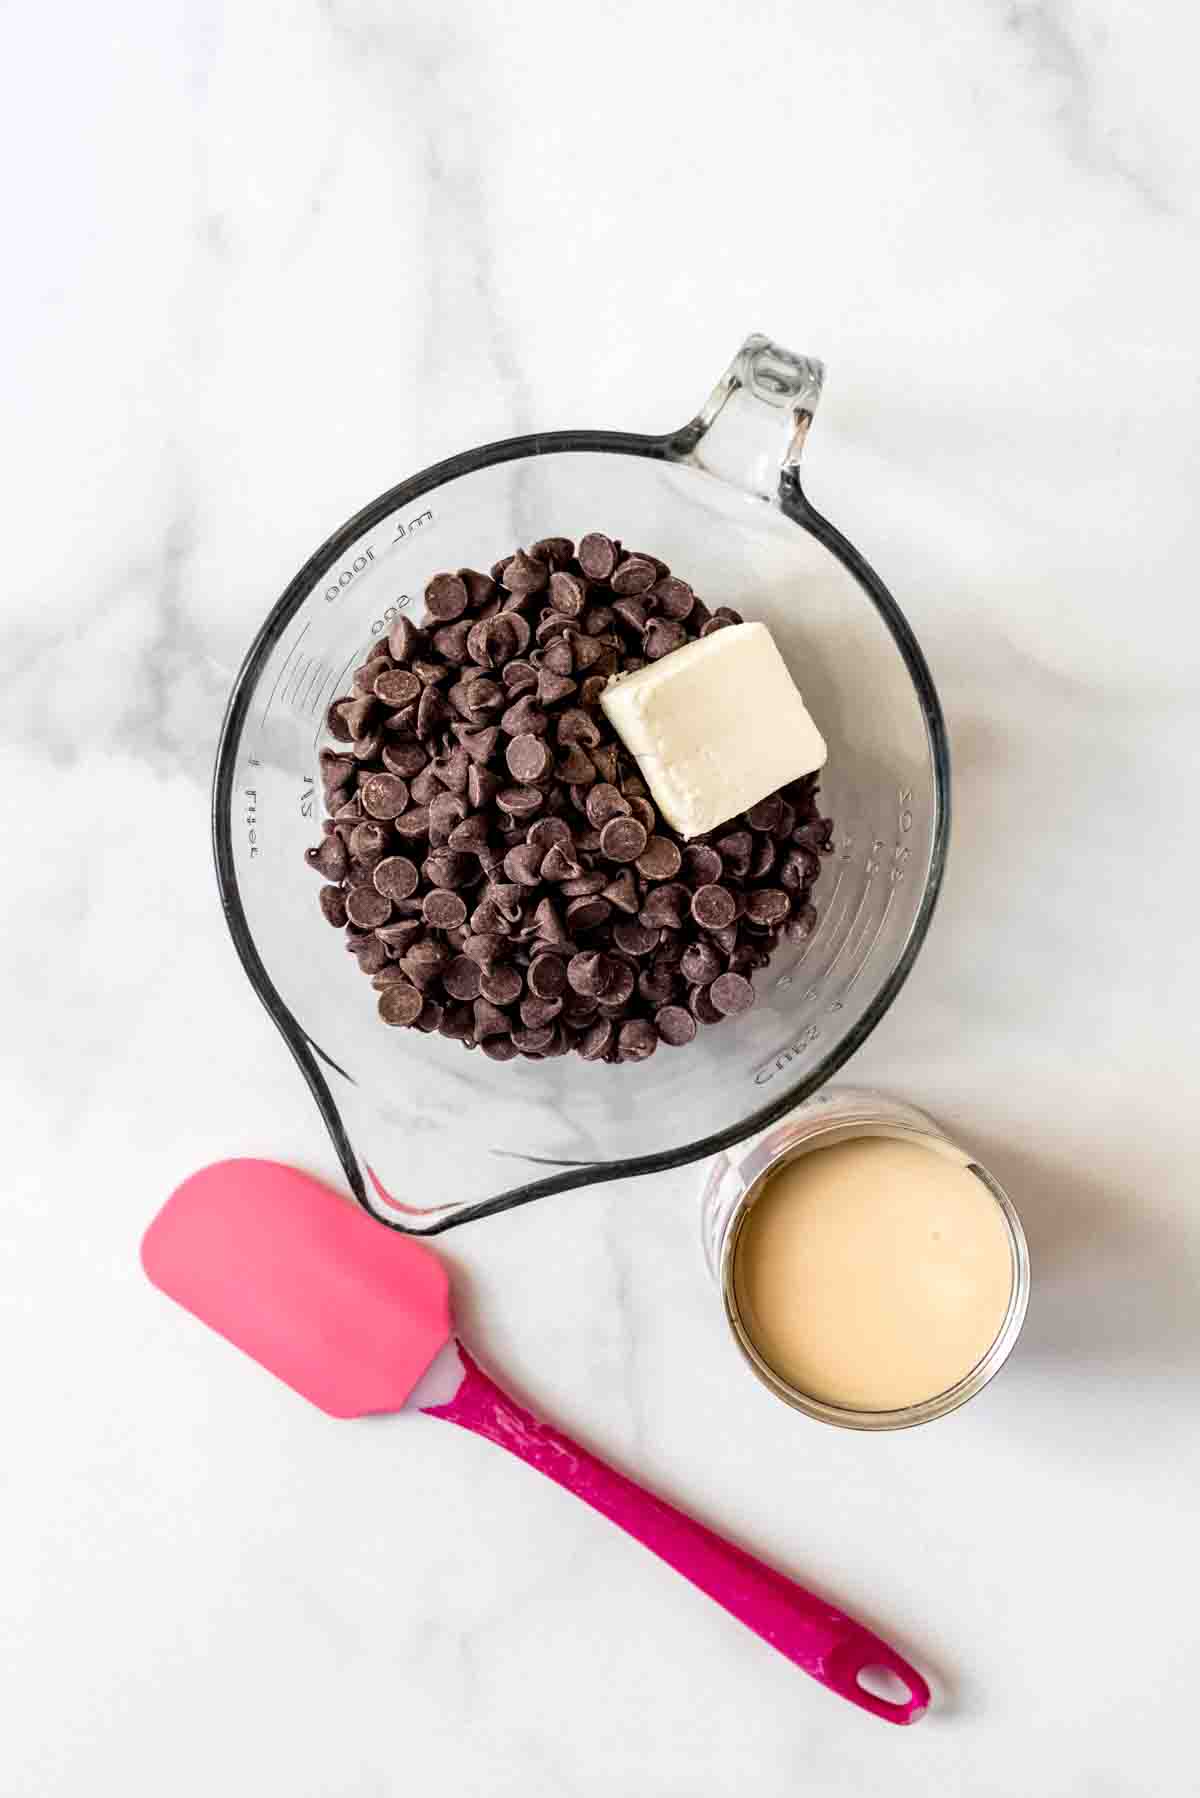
(491,849)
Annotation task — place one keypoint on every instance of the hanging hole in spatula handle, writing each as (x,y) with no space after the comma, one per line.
(872,1675)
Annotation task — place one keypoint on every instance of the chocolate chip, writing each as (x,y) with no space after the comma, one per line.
(336,721)
(491,641)
(702,864)
(537,1013)
(604,801)
(588,974)
(635,939)
(429,1018)
(623,840)
(763,860)
(445,598)
(700,964)
(598,1040)
(519,802)
(558,657)
(507,896)
(801,924)
(553,688)
(488,920)
(489,1020)
(431,713)
(524,718)
(568,595)
(663,637)
(451,643)
(597,555)
(675,1025)
(575,726)
(620,982)
(482,786)
(575,767)
(547,977)
(368,843)
(470,835)
(769,905)
(400,1003)
(634,575)
(559,865)
(550,833)
(582,886)
(368,951)
(637,1040)
(731,993)
(404,759)
(660,859)
(400,937)
(458,1023)
(552,549)
(587,653)
(502,985)
(447,868)
(397,687)
(462,978)
(673,598)
(587,913)
(666,906)
(443,910)
(798,869)
(622,892)
(413,824)
(333,905)
(713,907)
(446,813)
(396,878)
(523,865)
(765,815)
(548,926)
(484,695)
(499,1048)
(330,859)
(632,613)
(366,907)
(701,1006)
(522,574)
(529,758)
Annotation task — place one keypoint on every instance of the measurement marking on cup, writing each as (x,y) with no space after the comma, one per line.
(318,669)
(291,652)
(250,817)
(295,678)
(414,524)
(346,576)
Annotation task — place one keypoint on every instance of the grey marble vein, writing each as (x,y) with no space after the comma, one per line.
(1058,45)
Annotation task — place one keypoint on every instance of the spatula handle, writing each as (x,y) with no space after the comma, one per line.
(808,1632)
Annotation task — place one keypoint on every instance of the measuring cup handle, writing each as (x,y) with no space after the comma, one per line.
(813,1635)
(751,430)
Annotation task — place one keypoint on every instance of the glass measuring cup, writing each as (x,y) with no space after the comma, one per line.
(429,1135)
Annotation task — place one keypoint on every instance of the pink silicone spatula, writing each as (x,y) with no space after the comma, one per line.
(357,1320)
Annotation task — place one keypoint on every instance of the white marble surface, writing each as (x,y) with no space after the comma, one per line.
(262,261)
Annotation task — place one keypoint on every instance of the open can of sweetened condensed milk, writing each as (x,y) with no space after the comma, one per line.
(873,1274)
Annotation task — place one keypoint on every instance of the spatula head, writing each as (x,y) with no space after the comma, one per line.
(342,1309)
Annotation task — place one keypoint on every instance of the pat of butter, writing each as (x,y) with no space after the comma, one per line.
(715,726)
